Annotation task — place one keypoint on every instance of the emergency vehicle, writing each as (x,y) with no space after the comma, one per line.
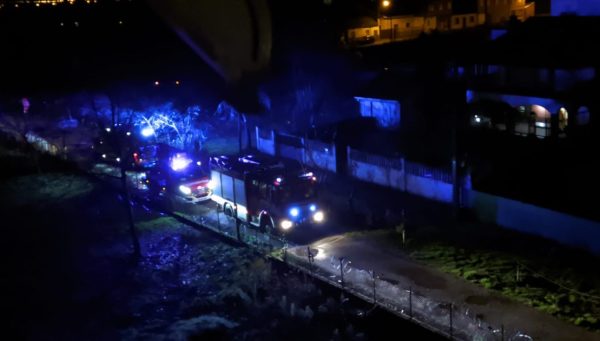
(264,192)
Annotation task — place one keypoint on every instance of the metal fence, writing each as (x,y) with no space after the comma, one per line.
(376,160)
(445,318)
(424,171)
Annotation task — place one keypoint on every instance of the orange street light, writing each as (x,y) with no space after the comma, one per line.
(386,3)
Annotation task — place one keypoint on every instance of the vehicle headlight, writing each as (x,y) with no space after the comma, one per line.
(319,216)
(313,207)
(185,190)
(286,224)
(211,185)
(294,212)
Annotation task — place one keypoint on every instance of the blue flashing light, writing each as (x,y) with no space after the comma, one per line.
(313,207)
(147,132)
(179,162)
(294,211)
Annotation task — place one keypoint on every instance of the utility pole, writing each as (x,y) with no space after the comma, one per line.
(123,151)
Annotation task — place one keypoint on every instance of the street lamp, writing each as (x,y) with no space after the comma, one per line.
(385,4)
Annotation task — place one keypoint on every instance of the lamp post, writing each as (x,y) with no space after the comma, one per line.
(385,5)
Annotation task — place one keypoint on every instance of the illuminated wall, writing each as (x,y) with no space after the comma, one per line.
(534,220)
(580,7)
(499,11)
(362,32)
(386,112)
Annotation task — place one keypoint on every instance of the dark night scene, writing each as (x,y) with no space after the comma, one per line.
(336,170)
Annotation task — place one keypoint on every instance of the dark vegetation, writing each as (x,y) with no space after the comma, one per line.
(69,272)
(541,273)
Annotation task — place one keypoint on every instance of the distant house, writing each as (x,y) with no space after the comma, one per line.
(363,30)
(454,18)
(405,27)
(469,20)
(549,93)
(500,11)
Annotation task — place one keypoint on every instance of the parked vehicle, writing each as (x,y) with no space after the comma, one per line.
(271,194)
(176,174)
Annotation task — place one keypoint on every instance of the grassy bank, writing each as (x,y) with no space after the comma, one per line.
(552,278)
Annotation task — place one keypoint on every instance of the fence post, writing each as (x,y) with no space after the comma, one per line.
(410,302)
(348,167)
(256,239)
(334,153)
(451,326)
(310,259)
(374,287)
(303,151)
(237,227)
(257,133)
(276,151)
(404,172)
(218,220)
(342,271)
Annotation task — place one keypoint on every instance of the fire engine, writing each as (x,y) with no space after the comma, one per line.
(174,173)
(267,193)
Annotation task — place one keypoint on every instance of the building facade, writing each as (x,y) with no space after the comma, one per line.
(500,11)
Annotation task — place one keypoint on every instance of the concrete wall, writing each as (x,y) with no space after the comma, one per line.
(290,152)
(429,188)
(320,155)
(424,181)
(310,152)
(535,220)
(393,173)
(265,144)
(384,176)
(362,32)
